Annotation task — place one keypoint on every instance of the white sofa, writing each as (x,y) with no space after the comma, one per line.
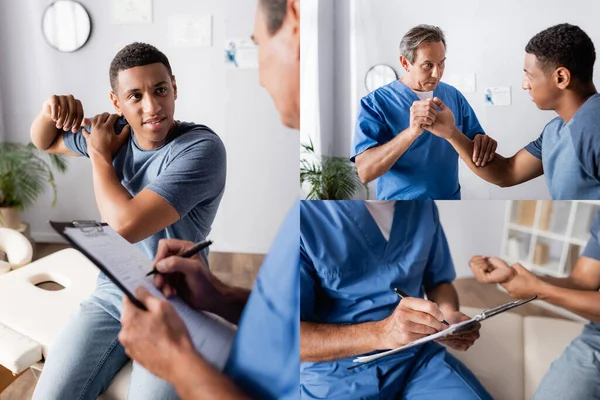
(514,352)
(510,358)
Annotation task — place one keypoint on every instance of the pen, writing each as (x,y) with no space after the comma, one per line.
(187,254)
(402,295)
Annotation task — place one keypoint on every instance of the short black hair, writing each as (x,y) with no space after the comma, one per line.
(276,11)
(136,55)
(567,46)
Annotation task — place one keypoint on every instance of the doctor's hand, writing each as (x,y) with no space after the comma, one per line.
(105,142)
(491,269)
(66,112)
(157,338)
(188,278)
(422,116)
(484,149)
(444,125)
(523,284)
(464,339)
(412,319)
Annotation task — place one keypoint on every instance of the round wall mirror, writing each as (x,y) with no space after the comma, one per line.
(378,76)
(66,25)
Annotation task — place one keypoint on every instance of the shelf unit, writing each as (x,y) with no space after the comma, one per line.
(547,237)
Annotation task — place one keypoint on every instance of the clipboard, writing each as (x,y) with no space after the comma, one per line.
(490,312)
(93,228)
(451,330)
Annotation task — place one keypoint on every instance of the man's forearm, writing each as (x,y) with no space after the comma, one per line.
(581,302)
(328,342)
(197,379)
(232,303)
(379,160)
(566,283)
(43,131)
(496,171)
(445,296)
(112,198)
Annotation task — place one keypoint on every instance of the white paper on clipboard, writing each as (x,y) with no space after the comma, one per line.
(212,336)
(446,332)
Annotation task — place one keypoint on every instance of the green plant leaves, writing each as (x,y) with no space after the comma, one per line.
(329,178)
(24,173)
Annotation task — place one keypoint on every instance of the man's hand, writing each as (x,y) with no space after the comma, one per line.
(105,142)
(444,125)
(66,111)
(523,285)
(422,116)
(412,319)
(484,149)
(491,270)
(155,338)
(188,278)
(464,339)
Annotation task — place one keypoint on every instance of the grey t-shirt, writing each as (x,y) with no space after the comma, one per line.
(592,249)
(570,153)
(188,171)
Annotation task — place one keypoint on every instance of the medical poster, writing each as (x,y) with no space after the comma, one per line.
(498,96)
(241,54)
(131,11)
(190,31)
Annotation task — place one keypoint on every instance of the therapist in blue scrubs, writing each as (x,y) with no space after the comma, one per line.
(392,138)
(264,359)
(576,373)
(352,255)
(559,66)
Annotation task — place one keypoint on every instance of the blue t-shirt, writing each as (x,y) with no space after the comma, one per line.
(265,357)
(592,249)
(188,171)
(429,167)
(570,153)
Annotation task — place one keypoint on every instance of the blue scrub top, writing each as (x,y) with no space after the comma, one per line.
(429,168)
(347,275)
(570,153)
(265,357)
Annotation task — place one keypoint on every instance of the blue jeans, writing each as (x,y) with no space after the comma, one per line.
(575,374)
(87,354)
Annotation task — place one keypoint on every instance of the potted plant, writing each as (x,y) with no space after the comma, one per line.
(24,173)
(329,178)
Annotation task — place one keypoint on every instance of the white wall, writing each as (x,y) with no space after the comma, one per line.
(484,37)
(262,155)
(472,228)
(309,90)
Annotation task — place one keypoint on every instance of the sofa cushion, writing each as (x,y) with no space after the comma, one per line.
(545,339)
(496,358)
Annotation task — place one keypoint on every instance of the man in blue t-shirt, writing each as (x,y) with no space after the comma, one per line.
(559,64)
(264,361)
(393,142)
(576,373)
(154,178)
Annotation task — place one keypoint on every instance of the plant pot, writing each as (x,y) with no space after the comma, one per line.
(10,217)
